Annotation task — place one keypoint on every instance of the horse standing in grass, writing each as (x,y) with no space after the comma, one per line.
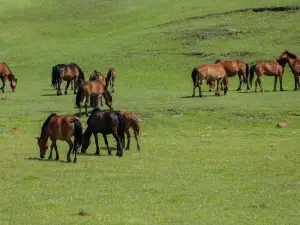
(110,79)
(5,73)
(268,68)
(91,89)
(294,64)
(209,72)
(60,128)
(131,121)
(95,75)
(104,122)
(67,72)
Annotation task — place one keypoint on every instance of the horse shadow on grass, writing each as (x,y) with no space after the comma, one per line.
(48,95)
(45,160)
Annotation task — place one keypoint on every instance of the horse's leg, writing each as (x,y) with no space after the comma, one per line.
(75,151)
(128,139)
(241,82)
(72,88)
(275,83)
(86,105)
(3,82)
(51,148)
(218,88)
(67,86)
(280,81)
(260,85)
(56,150)
(59,82)
(101,102)
(71,145)
(119,149)
(136,138)
(97,144)
(75,84)
(194,88)
(106,143)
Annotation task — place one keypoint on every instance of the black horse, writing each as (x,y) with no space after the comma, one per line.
(104,122)
(67,72)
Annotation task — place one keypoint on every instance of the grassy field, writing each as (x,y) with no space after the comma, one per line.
(216,160)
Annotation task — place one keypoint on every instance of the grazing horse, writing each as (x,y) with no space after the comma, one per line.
(67,72)
(95,75)
(209,72)
(268,68)
(104,122)
(131,120)
(110,79)
(60,128)
(5,73)
(294,64)
(92,88)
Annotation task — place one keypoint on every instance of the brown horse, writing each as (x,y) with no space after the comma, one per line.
(209,72)
(95,75)
(92,88)
(60,128)
(110,79)
(67,72)
(268,68)
(131,120)
(294,64)
(5,73)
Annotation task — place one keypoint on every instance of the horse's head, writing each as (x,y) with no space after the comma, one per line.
(86,141)
(108,101)
(43,146)
(13,85)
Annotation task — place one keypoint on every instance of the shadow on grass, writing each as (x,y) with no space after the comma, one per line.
(48,95)
(45,160)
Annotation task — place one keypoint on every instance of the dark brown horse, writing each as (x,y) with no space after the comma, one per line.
(67,72)
(268,68)
(294,64)
(60,128)
(92,88)
(95,75)
(131,121)
(209,72)
(110,79)
(5,73)
(104,122)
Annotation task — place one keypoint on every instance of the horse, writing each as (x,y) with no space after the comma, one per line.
(92,88)
(268,68)
(60,128)
(294,64)
(131,120)
(67,72)
(95,75)
(5,73)
(104,122)
(209,72)
(110,79)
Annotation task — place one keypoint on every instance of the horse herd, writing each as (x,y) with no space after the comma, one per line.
(63,127)
(221,70)
(118,122)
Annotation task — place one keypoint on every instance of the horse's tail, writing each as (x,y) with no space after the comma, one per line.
(195,77)
(54,76)
(121,127)
(135,124)
(79,95)
(252,70)
(77,133)
(247,71)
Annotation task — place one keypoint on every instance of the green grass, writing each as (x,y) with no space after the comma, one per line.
(216,160)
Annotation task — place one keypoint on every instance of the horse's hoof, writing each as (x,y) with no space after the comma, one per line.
(282,90)
(97,153)
(275,90)
(127,149)
(217,94)
(239,89)
(75,161)
(56,158)
(201,96)
(49,158)
(69,160)
(119,154)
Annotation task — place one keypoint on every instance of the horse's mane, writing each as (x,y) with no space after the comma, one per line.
(291,55)
(93,112)
(46,122)
(80,70)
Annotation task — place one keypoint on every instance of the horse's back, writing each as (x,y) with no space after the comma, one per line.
(4,69)
(105,122)
(61,127)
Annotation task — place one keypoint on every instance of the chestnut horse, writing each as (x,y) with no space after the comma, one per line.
(268,68)
(92,88)
(5,73)
(95,75)
(294,64)
(60,128)
(110,79)
(104,122)
(209,72)
(67,72)
(131,120)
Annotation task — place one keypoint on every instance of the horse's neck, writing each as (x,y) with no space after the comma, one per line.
(291,63)
(11,77)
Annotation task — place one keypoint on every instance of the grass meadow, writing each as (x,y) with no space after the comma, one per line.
(215,160)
